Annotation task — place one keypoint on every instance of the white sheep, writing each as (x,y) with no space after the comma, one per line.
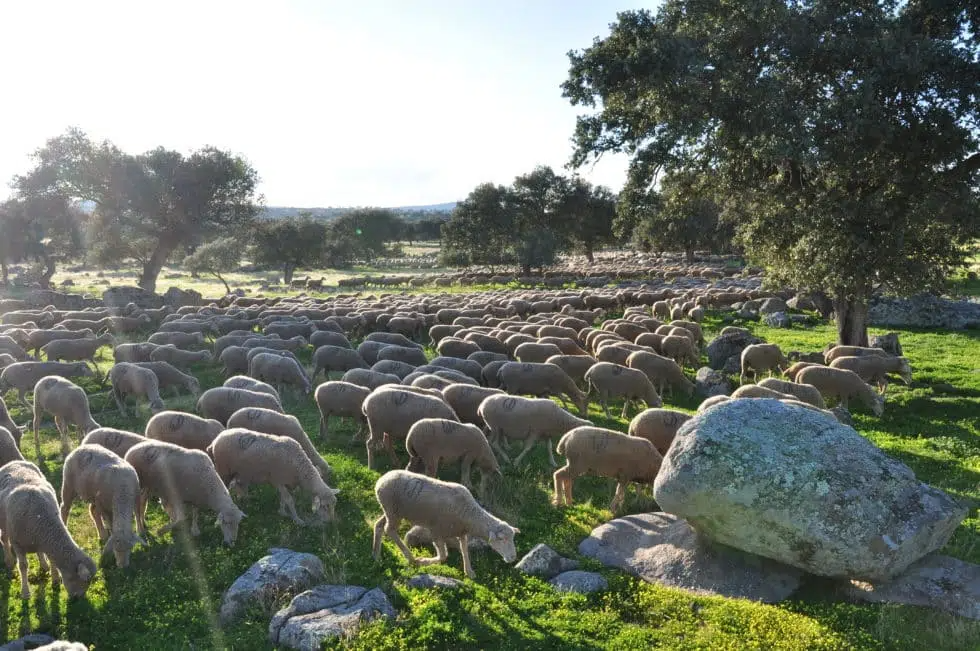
(605,453)
(447,510)
(9,449)
(432,440)
(76,350)
(369,379)
(24,376)
(659,426)
(680,349)
(465,399)
(852,351)
(526,419)
(391,412)
(183,429)
(796,367)
(541,380)
(68,404)
(267,421)
(131,380)
(279,371)
(803,392)
(102,478)
(7,422)
(171,377)
(243,457)
(336,358)
(179,357)
(842,384)
(662,372)
(117,440)
(616,381)
(713,401)
(762,357)
(220,403)
(341,399)
(874,369)
(133,352)
(246,382)
(180,477)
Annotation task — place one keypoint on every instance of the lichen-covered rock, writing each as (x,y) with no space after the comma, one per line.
(326,611)
(580,582)
(887,342)
(545,562)
(709,382)
(778,320)
(32,641)
(795,485)
(723,347)
(662,548)
(924,311)
(176,297)
(43,297)
(280,574)
(429,581)
(123,296)
(772,306)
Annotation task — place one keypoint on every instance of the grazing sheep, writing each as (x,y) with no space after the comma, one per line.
(132,353)
(220,403)
(24,376)
(117,440)
(31,524)
(76,350)
(183,429)
(605,453)
(484,357)
(874,369)
(433,439)
(793,370)
(852,351)
(456,347)
(662,371)
(9,447)
(179,476)
(68,404)
(526,419)
(842,384)
(430,381)
(762,357)
(102,478)
(341,399)
(392,367)
(131,380)
(406,354)
(708,403)
(291,345)
(267,421)
(465,399)
(445,373)
(329,338)
(616,381)
(127,324)
(447,510)
(391,412)
(171,377)
(541,380)
(6,360)
(651,340)
(243,457)
(182,359)
(368,351)
(234,359)
(184,340)
(680,349)
(280,372)
(226,341)
(369,379)
(756,391)
(246,382)
(7,423)
(575,366)
(536,352)
(37,339)
(659,426)
(489,374)
(460,365)
(802,392)
(336,358)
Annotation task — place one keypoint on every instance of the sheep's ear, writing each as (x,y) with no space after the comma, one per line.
(335,491)
(83,572)
(516,530)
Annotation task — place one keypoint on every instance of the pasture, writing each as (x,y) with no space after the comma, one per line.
(169,596)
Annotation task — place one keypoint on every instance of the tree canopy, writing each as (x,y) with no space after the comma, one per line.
(843,139)
(289,243)
(217,257)
(40,227)
(361,234)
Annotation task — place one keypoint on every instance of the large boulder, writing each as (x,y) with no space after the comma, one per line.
(723,347)
(176,297)
(772,305)
(61,301)
(887,342)
(778,320)
(797,486)
(924,311)
(123,296)
(280,574)
(324,612)
(662,548)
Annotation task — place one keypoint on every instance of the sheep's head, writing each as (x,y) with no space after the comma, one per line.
(229,520)
(156,405)
(415,464)
(83,370)
(501,540)
(905,371)
(193,385)
(878,405)
(324,505)
(121,547)
(78,577)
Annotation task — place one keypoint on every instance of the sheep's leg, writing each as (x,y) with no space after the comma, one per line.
(379,526)
(25,588)
(390,448)
(464,550)
(551,455)
(626,404)
(432,467)
(391,528)
(96,516)
(605,406)
(141,502)
(195,529)
(843,403)
(55,574)
(42,560)
(22,398)
(119,403)
(619,496)
(563,496)
(65,439)
(495,444)
(323,428)
(177,516)
(464,472)
(528,444)
(287,505)
(441,554)
(8,552)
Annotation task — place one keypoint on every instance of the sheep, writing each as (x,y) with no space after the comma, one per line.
(127,324)
(447,510)
(37,339)
(489,374)
(391,412)
(793,370)
(368,351)
(407,354)
(393,367)
(614,380)
(536,352)
(455,347)
(7,423)
(852,351)
(708,403)
(31,523)
(267,421)
(220,403)
(605,453)
(843,385)
(369,379)
(76,350)
(527,419)
(430,381)
(180,358)
(117,440)
(336,358)
(697,334)
(183,429)
(170,377)
(341,399)
(6,360)
(662,371)
(465,366)
(180,476)
(329,338)
(184,340)
(756,391)
(226,341)
(246,382)
(24,376)
(10,347)
(279,371)
(291,345)
(129,379)
(541,380)
(802,392)
(9,447)
(875,368)
(574,365)
(138,352)
(102,478)
(243,457)
(68,404)
(679,349)
(659,426)
(762,357)
(465,399)
(433,439)
(484,357)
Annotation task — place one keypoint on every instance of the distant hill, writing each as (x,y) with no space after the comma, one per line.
(410,213)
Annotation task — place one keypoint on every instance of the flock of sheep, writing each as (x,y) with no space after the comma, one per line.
(502,357)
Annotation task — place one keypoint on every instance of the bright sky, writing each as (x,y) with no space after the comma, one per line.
(335,103)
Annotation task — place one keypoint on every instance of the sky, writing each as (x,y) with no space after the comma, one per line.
(335,103)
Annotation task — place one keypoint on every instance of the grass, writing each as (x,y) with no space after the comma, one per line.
(170,595)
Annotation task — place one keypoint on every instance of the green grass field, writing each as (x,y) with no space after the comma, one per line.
(169,596)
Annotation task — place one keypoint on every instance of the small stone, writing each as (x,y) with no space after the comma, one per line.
(545,562)
(777,320)
(887,342)
(772,305)
(280,574)
(327,611)
(709,382)
(429,581)
(580,582)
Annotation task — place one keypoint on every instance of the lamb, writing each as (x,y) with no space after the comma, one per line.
(76,350)
(280,371)
(341,399)
(117,440)
(762,357)
(852,351)
(336,358)
(536,352)
(267,421)
(659,426)
(220,403)
(111,487)
(541,380)
(9,447)
(246,382)
(662,371)
(180,476)
(129,379)
(243,457)
(180,358)
(369,379)
(170,377)
(527,419)
(465,399)
(802,392)
(391,412)
(184,340)
(139,352)
(31,523)
(447,510)
(875,368)
(615,381)
(842,384)
(605,453)
(793,370)
(679,349)
(433,439)
(7,423)
(69,405)
(183,429)
(24,376)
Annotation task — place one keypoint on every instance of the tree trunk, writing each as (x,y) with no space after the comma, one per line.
(5,275)
(223,282)
(526,269)
(153,266)
(588,253)
(851,314)
(689,254)
(287,273)
(49,269)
